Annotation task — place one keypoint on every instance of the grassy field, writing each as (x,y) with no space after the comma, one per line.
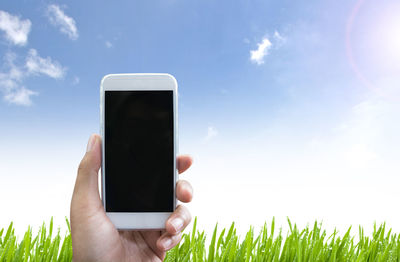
(308,244)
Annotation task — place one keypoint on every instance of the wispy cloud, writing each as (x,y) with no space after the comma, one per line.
(257,56)
(278,38)
(108,44)
(211,133)
(20,96)
(46,66)
(12,79)
(65,23)
(75,80)
(11,83)
(224,91)
(355,142)
(16,30)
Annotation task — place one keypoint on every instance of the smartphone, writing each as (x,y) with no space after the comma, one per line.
(139,135)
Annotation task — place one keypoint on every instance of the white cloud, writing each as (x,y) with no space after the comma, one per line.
(13,78)
(15,29)
(257,56)
(108,44)
(11,83)
(211,132)
(10,79)
(279,39)
(39,65)
(20,96)
(66,24)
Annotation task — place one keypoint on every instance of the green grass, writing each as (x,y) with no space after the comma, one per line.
(43,247)
(308,244)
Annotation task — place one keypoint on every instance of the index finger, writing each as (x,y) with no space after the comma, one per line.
(184,162)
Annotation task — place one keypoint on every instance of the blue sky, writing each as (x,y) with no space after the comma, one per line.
(276,98)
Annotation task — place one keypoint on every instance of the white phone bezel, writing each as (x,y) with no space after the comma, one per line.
(148,81)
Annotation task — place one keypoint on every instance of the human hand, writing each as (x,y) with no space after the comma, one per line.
(94,237)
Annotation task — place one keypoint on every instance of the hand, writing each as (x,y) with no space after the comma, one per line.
(94,237)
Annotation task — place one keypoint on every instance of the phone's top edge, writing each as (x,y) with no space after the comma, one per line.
(138,77)
(123,75)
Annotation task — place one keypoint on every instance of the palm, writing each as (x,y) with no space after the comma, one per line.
(129,245)
(95,238)
(141,244)
(122,245)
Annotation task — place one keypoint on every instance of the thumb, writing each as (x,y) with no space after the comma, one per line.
(86,186)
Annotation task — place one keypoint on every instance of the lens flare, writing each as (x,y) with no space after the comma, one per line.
(373,45)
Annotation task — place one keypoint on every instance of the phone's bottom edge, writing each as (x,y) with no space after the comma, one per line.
(138,221)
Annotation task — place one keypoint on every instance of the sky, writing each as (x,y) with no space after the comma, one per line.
(289,108)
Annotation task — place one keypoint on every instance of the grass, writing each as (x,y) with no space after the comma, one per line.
(308,244)
(43,247)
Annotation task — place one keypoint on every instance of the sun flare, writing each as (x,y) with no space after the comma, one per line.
(373,45)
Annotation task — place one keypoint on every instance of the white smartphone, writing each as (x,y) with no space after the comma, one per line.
(139,132)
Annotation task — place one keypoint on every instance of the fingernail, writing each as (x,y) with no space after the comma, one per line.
(90,144)
(166,243)
(177,223)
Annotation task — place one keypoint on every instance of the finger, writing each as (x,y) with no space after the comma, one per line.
(178,220)
(86,185)
(184,191)
(184,162)
(168,241)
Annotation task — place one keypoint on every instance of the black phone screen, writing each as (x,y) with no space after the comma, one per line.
(139,151)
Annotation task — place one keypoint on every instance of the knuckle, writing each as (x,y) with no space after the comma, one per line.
(179,185)
(177,237)
(189,217)
(185,214)
(182,181)
(83,166)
